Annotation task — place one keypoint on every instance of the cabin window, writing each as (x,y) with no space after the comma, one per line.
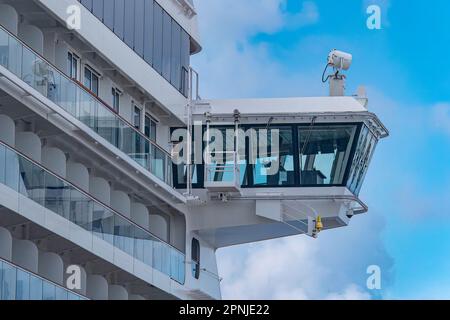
(150,128)
(116,99)
(195,257)
(137,114)
(91,80)
(73,62)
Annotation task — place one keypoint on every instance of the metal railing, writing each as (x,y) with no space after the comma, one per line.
(75,99)
(32,180)
(227,171)
(17,283)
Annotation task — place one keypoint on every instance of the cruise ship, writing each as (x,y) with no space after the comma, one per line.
(118,181)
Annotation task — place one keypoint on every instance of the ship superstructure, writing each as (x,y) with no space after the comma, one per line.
(96,97)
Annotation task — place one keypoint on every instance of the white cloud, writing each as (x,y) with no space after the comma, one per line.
(331,267)
(231,66)
(352,292)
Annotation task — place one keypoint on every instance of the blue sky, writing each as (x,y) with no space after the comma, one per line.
(273,48)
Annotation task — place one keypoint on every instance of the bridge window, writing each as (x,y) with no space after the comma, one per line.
(363,154)
(297,155)
(324,154)
(274,165)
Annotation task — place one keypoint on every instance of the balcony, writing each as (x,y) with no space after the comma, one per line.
(71,96)
(104,230)
(19,284)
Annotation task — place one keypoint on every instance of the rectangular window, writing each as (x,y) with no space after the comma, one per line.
(129,23)
(364,150)
(195,257)
(274,161)
(97,8)
(108,14)
(185,55)
(116,99)
(91,80)
(139,10)
(73,62)
(157,37)
(148,32)
(119,15)
(167,45)
(175,77)
(137,118)
(324,154)
(150,128)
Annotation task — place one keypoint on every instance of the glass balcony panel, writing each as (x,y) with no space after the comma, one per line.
(88,110)
(59,196)
(2,164)
(61,294)
(36,288)
(19,284)
(15,56)
(54,85)
(28,67)
(123,235)
(157,255)
(165,258)
(12,170)
(73,98)
(23,285)
(41,76)
(108,126)
(8,286)
(103,223)
(81,208)
(73,297)
(158,165)
(68,96)
(48,291)
(4,49)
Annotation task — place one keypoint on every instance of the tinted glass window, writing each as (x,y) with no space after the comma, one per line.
(129,23)
(274,164)
(150,128)
(137,118)
(139,27)
(108,14)
(185,45)
(148,32)
(87,4)
(151,32)
(195,256)
(324,154)
(361,160)
(175,77)
(97,8)
(115,99)
(157,37)
(119,14)
(167,45)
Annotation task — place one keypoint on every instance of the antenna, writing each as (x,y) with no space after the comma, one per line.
(340,61)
